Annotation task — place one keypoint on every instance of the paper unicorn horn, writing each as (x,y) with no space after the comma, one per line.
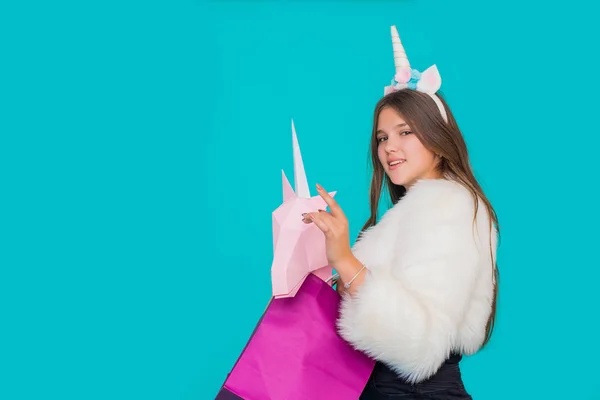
(428,81)
(298,248)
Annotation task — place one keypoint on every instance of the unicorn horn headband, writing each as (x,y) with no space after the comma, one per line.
(428,81)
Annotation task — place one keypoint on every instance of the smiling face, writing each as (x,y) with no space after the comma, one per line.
(401,153)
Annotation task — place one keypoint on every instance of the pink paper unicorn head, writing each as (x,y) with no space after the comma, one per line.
(299,248)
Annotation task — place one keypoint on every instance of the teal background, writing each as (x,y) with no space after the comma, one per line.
(141,148)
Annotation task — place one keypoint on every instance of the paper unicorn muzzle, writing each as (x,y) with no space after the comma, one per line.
(298,248)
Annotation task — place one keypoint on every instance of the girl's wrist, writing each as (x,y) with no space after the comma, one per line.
(349,270)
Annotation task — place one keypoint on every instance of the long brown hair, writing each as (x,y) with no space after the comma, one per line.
(444,139)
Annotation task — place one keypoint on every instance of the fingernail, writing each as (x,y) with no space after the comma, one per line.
(319,186)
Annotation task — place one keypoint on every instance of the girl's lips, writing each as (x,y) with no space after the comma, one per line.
(398,164)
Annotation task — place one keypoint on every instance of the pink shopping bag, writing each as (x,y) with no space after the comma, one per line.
(295,352)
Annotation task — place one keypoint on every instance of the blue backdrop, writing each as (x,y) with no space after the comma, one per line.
(141,148)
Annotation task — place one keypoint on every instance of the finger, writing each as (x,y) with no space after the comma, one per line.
(336,225)
(322,213)
(333,278)
(328,217)
(319,222)
(336,210)
(340,287)
(325,218)
(307,220)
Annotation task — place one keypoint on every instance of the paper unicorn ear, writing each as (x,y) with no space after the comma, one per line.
(288,192)
(429,81)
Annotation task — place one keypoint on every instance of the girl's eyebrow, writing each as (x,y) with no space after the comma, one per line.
(402,125)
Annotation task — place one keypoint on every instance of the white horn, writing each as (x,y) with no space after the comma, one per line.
(300,180)
(400,57)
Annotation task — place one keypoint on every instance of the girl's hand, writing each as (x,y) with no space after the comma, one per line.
(340,288)
(335,227)
(339,285)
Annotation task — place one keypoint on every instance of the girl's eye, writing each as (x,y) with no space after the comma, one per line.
(381,139)
(405,133)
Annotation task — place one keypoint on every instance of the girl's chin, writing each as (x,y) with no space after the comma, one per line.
(397,179)
(398,182)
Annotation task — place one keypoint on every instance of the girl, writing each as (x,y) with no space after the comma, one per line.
(419,286)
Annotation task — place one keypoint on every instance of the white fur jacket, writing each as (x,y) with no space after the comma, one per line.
(428,286)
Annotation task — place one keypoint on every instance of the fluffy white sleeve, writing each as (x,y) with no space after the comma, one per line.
(408,314)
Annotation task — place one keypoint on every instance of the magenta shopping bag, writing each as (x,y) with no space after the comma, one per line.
(295,352)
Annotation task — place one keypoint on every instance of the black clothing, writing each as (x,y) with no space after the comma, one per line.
(445,384)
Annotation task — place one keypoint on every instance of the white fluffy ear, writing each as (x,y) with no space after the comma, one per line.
(430,81)
(387,90)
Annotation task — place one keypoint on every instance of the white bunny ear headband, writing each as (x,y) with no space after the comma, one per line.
(428,81)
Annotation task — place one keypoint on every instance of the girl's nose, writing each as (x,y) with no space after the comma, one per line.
(390,146)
